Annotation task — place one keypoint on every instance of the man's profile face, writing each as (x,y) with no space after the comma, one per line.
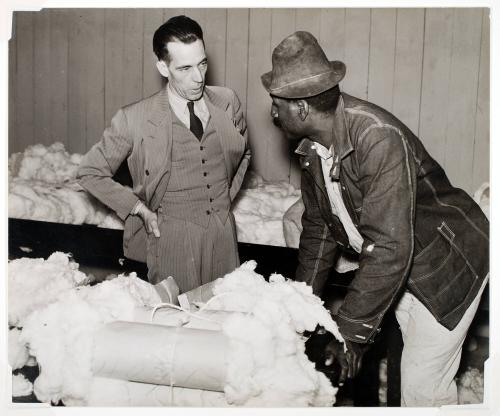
(186,69)
(285,116)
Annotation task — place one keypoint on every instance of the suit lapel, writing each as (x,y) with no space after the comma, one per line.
(158,149)
(223,127)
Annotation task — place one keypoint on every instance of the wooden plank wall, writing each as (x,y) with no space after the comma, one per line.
(71,69)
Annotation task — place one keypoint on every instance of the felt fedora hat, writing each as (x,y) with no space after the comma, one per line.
(301,68)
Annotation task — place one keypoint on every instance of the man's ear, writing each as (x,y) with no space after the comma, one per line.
(162,68)
(303,109)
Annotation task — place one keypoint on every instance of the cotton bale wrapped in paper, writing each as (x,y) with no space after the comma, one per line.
(158,354)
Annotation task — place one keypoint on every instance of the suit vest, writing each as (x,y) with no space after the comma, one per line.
(198,186)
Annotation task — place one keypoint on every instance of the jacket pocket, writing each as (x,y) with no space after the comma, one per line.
(441,277)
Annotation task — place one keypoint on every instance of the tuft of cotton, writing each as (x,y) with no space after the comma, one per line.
(50,164)
(470,386)
(60,335)
(18,353)
(21,386)
(33,283)
(267,364)
(259,209)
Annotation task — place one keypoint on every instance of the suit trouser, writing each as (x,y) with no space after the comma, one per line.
(193,255)
(431,353)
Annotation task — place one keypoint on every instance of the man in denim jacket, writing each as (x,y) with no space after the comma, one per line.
(369,187)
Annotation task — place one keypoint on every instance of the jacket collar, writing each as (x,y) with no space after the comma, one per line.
(342,139)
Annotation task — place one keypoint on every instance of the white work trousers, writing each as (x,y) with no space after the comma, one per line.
(431,353)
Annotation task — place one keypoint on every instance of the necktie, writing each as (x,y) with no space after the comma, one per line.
(194,122)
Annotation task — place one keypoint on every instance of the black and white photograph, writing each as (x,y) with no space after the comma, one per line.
(249,207)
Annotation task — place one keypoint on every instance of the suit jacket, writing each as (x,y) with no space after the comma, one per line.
(142,133)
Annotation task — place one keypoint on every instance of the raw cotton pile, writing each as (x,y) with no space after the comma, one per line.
(470,386)
(50,164)
(482,198)
(267,364)
(21,386)
(259,210)
(42,186)
(60,335)
(17,351)
(34,283)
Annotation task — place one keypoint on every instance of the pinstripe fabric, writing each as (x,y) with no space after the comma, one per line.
(142,133)
(192,254)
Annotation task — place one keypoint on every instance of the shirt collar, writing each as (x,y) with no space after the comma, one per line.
(322,151)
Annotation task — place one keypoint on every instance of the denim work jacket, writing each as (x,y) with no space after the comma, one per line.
(420,233)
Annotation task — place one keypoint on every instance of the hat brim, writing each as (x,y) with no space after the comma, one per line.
(307,87)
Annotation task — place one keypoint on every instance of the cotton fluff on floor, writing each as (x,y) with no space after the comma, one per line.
(43,187)
(267,365)
(470,385)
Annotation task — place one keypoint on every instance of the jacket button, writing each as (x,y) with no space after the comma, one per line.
(208,212)
(306,164)
(203,160)
(208,185)
(205,173)
(147,172)
(201,147)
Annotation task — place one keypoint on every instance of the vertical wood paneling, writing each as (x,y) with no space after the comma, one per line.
(332,33)
(113,62)
(436,80)
(280,160)
(153,19)
(94,104)
(42,75)
(481,168)
(237,53)
(24,81)
(71,69)
(382,51)
(357,51)
(408,66)
(12,89)
(215,32)
(78,58)
(132,55)
(463,96)
(309,20)
(259,61)
(58,75)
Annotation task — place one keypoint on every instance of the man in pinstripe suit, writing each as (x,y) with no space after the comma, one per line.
(187,151)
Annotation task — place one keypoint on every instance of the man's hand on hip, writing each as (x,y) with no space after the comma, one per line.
(150,220)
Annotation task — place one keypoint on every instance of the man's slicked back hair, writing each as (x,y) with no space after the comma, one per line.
(178,28)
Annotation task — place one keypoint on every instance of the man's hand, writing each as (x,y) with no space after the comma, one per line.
(150,220)
(354,355)
(349,361)
(334,352)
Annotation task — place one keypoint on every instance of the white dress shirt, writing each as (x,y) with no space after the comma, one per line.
(335,196)
(179,107)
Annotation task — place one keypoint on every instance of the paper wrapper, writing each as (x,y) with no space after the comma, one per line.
(200,294)
(209,319)
(109,392)
(158,354)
